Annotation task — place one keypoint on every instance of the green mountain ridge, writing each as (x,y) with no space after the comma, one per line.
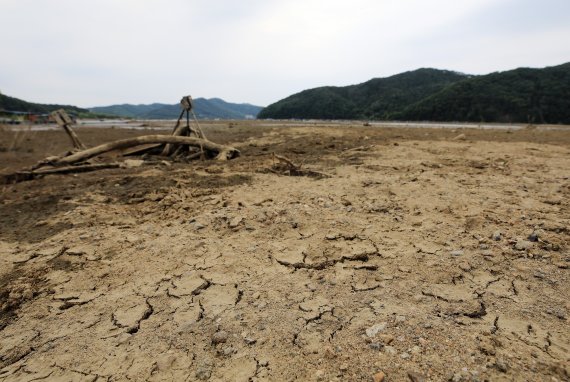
(212,108)
(14,104)
(521,95)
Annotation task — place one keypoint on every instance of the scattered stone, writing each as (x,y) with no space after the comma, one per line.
(375,329)
(501,365)
(400,319)
(497,236)
(379,377)
(133,163)
(235,222)
(386,339)
(219,337)
(416,377)
(457,252)
(523,245)
(416,350)
(465,266)
(390,350)
(533,237)
(250,341)
(376,346)
(557,312)
(460,137)
(204,372)
(405,356)
(405,269)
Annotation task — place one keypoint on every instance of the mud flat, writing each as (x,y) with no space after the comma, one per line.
(426,255)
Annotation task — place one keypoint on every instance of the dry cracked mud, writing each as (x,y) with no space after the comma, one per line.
(421,256)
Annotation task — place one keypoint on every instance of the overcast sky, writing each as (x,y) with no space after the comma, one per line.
(101,52)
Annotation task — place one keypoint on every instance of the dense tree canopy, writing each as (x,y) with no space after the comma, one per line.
(520,95)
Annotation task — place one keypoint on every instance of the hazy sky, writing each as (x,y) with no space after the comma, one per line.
(101,52)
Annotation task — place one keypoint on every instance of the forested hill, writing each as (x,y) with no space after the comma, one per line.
(14,104)
(378,98)
(521,95)
(204,108)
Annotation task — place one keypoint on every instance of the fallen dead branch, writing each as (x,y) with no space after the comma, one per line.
(24,175)
(175,145)
(223,152)
(284,166)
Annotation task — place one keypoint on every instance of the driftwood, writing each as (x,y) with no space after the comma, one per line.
(223,152)
(286,167)
(184,130)
(24,175)
(63,120)
(176,144)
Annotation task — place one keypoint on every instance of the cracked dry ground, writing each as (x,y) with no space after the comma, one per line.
(421,257)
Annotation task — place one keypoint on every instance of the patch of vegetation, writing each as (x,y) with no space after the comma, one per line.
(521,95)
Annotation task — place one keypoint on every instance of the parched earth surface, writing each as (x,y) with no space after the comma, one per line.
(423,255)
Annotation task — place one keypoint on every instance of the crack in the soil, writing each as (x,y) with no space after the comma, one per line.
(324,264)
(479,313)
(147,313)
(514,288)
(239,296)
(356,290)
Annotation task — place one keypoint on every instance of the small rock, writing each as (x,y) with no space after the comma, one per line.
(133,163)
(203,372)
(375,329)
(376,346)
(416,350)
(501,365)
(400,319)
(405,356)
(344,367)
(497,236)
(235,222)
(250,341)
(533,236)
(387,339)
(228,351)
(457,252)
(523,245)
(465,266)
(379,377)
(404,269)
(416,377)
(390,350)
(219,337)
(320,374)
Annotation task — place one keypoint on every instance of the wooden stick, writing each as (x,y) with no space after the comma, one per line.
(63,120)
(24,175)
(224,152)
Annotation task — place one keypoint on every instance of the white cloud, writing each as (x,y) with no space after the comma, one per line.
(113,51)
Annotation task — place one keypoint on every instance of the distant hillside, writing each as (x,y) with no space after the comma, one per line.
(14,104)
(204,108)
(379,98)
(520,95)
